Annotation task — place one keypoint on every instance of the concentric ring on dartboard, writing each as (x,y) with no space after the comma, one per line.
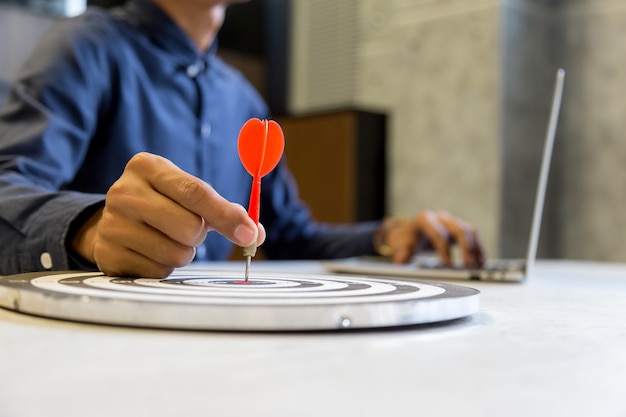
(237,284)
(328,290)
(213,300)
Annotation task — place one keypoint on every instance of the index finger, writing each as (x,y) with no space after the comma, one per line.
(228,219)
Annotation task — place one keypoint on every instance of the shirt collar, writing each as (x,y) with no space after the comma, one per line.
(164,32)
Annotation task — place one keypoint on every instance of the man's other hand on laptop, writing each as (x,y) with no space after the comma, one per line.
(401,238)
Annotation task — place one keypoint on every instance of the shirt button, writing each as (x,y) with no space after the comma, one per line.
(46,260)
(205,130)
(194,69)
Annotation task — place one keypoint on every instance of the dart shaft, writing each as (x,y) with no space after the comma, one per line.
(254,206)
(253,213)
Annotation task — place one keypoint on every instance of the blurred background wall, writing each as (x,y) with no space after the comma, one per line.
(466,87)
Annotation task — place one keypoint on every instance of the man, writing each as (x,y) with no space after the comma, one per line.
(118,152)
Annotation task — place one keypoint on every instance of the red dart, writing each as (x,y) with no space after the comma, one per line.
(261,144)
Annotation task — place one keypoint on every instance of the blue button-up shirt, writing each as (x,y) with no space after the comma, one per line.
(107,85)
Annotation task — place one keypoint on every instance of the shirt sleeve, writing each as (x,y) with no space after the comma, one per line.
(45,128)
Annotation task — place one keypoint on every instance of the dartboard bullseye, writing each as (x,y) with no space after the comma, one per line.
(221,300)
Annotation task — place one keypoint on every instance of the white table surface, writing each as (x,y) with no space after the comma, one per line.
(552,346)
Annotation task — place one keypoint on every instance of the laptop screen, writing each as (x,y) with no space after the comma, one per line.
(545,170)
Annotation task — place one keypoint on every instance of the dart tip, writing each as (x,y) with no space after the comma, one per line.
(248,259)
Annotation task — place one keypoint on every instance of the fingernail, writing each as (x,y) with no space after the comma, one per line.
(244,234)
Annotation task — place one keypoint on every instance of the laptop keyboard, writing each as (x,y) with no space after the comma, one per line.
(490,265)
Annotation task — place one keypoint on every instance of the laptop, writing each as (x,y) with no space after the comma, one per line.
(512,270)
